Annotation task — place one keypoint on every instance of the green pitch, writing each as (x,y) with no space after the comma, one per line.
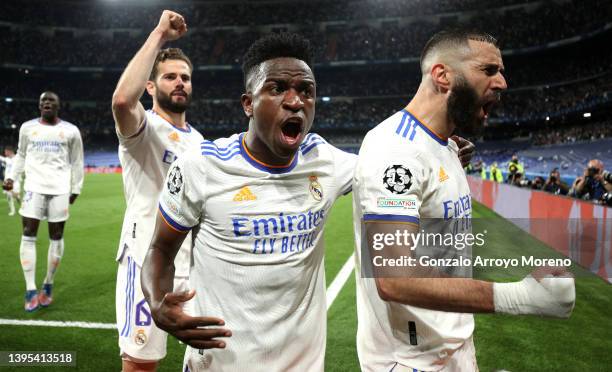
(85,291)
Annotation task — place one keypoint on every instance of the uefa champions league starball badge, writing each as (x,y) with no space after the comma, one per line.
(315,188)
(397,179)
(175,180)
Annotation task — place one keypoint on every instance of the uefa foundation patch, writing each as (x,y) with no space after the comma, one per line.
(409,203)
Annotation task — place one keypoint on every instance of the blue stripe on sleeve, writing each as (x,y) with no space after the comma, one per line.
(172,222)
(390,218)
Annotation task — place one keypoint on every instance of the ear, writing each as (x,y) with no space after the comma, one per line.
(247,104)
(150,88)
(440,77)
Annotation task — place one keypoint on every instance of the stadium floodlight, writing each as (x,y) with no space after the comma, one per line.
(547,118)
(325,99)
(587,114)
(8,99)
(13,126)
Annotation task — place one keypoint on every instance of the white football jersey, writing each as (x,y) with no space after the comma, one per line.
(258,253)
(145,158)
(51,156)
(435,188)
(8,165)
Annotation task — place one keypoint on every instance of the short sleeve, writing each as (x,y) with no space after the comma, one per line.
(390,185)
(181,200)
(136,138)
(345,163)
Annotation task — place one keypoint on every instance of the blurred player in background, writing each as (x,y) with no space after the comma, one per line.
(149,141)
(12,195)
(50,152)
(409,322)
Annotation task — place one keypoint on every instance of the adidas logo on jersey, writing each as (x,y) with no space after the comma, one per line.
(442,176)
(174,137)
(244,194)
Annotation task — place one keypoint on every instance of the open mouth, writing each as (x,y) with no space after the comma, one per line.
(291,130)
(487,107)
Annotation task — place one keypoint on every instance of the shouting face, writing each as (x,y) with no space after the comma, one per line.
(280,103)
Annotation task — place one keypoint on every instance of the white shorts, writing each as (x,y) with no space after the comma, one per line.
(462,360)
(139,338)
(39,206)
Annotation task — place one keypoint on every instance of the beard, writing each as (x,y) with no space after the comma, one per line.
(49,116)
(463,108)
(165,101)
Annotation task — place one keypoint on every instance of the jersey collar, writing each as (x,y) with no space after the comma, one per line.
(438,138)
(274,169)
(187,130)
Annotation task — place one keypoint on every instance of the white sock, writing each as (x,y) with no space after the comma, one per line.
(54,256)
(11,202)
(27,254)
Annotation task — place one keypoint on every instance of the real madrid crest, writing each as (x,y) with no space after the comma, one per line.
(315,188)
(140,337)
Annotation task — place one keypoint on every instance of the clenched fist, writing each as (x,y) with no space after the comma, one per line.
(171,25)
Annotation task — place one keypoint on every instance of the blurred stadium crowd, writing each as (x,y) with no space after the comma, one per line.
(558,67)
(343,30)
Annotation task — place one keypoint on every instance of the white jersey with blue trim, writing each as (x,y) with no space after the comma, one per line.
(258,253)
(145,158)
(51,155)
(406,173)
(8,165)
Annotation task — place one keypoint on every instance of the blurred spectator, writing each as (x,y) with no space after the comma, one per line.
(554,184)
(495,173)
(591,185)
(537,183)
(514,168)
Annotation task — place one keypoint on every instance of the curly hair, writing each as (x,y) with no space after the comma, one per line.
(276,45)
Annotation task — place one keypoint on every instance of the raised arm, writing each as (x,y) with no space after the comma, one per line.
(127,109)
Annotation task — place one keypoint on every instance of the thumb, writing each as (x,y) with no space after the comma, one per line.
(457,139)
(177,297)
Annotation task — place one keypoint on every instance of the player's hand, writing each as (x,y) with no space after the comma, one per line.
(466,150)
(171,25)
(73,197)
(547,291)
(558,290)
(7,184)
(194,331)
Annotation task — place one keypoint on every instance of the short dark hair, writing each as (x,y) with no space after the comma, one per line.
(276,45)
(166,54)
(50,92)
(455,37)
